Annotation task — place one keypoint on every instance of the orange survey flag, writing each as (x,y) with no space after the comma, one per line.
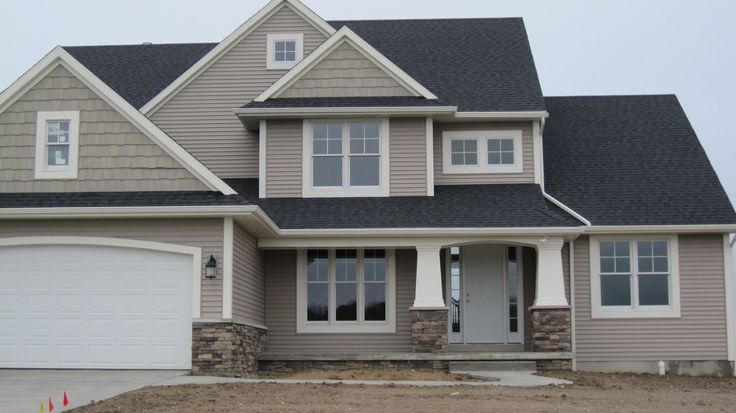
(66,400)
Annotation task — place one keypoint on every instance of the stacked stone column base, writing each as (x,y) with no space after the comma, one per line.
(226,349)
(552,332)
(428,330)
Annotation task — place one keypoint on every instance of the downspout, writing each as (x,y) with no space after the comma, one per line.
(571,256)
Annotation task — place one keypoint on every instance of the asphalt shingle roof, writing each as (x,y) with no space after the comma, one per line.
(453,206)
(118,199)
(345,102)
(139,72)
(630,160)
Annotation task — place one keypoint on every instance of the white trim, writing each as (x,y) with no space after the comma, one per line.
(394,111)
(429,147)
(272,38)
(597,311)
(571,262)
(730,278)
(538,162)
(229,42)
(481,137)
(59,56)
(659,229)
(303,327)
(345,35)
(195,252)
(262,153)
(42,169)
(503,115)
(567,209)
(428,280)
(227,268)
(310,191)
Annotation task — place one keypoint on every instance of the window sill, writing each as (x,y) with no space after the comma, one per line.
(334,192)
(476,169)
(367,328)
(55,174)
(611,313)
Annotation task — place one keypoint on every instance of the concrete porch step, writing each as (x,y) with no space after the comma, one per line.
(473,366)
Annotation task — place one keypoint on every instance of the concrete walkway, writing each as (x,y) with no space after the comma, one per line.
(22,391)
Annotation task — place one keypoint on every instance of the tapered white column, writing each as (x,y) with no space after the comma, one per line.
(428,293)
(550,280)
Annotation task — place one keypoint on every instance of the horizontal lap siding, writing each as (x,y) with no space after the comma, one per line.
(202,233)
(700,334)
(281,312)
(113,154)
(345,72)
(284,158)
(248,281)
(200,117)
(527,176)
(408,150)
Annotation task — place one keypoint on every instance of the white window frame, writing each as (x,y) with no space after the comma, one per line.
(310,191)
(481,137)
(332,326)
(42,169)
(634,311)
(272,38)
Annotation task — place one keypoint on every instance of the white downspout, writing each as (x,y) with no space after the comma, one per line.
(571,257)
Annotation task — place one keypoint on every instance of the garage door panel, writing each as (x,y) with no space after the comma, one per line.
(94,307)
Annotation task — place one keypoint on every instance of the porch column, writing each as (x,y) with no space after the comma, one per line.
(429,313)
(552,328)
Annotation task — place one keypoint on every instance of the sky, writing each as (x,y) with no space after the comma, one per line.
(581,47)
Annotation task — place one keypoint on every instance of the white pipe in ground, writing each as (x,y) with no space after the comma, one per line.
(661,368)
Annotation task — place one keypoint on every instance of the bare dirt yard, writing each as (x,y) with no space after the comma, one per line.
(591,393)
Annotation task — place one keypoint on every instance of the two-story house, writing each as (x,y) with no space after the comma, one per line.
(313,194)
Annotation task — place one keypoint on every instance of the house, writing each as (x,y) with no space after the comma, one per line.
(313,194)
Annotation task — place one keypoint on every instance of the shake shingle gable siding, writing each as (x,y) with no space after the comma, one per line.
(453,206)
(630,160)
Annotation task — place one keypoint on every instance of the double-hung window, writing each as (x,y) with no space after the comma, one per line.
(57,145)
(635,277)
(345,290)
(345,158)
(476,152)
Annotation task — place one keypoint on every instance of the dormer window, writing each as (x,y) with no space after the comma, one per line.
(482,152)
(285,50)
(57,143)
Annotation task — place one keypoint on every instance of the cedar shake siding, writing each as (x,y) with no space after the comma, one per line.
(281,312)
(700,334)
(113,154)
(200,116)
(344,72)
(248,278)
(525,177)
(202,233)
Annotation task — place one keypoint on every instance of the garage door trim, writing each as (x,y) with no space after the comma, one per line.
(195,252)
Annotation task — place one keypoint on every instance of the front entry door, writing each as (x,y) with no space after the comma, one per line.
(484,294)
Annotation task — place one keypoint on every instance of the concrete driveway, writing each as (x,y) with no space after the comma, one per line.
(22,391)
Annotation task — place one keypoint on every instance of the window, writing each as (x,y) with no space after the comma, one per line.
(284,50)
(346,158)
(345,290)
(472,152)
(635,277)
(57,145)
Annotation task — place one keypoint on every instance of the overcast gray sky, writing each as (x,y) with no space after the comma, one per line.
(581,47)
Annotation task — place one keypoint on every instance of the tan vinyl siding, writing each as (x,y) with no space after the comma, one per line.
(281,311)
(408,149)
(200,117)
(248,280)
(203,233)
(345,72)
(527,176)
(113,154)
(284,158)
(700,334)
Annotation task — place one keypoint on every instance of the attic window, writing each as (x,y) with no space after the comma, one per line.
(57,143)
(284,50)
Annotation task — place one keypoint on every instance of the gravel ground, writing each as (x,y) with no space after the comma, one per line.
(591,393)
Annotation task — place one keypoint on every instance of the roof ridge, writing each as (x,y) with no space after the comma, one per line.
(613,96)
(428,19)
(139,44)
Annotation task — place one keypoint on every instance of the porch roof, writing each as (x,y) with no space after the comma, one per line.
(452,206)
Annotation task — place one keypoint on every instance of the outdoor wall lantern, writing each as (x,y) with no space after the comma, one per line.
(210,270)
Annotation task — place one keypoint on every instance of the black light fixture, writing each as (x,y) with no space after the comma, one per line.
(210,270)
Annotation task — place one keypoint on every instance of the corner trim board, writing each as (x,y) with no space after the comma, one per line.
(262,153)
(730,278)
(429,147)
(227,268)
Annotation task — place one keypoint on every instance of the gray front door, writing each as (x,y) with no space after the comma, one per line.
(484,294)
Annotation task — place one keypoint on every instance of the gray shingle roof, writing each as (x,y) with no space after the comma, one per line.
(118,199)
(139,72)
(630,160)
(345,102)
(453,206)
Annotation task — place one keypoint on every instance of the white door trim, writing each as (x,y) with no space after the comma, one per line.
(195,252)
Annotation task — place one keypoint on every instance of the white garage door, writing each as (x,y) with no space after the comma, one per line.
(82,306)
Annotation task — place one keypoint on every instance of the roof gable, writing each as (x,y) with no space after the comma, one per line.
(354,42)
(59,56)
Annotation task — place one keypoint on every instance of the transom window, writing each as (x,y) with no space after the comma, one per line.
(346,159)
(57,142)
(346,290)
(474,152)
(284,50)
(635,276)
